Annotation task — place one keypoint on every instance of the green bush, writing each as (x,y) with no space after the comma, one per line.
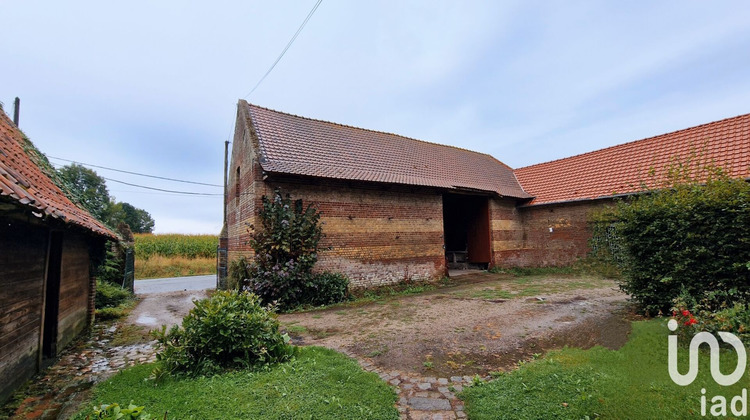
(110,295)
(695,317)
(690,237)
(229,330)
(325,288)
(114,411)
(239,272)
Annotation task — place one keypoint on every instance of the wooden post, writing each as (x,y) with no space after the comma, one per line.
(16,110)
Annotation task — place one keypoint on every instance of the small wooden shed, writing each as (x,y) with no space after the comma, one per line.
(47,249)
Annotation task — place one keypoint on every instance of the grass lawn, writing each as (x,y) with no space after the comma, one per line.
(632,382)
(319,384)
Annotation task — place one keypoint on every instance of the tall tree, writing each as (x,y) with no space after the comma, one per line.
(89,189)
(139,220)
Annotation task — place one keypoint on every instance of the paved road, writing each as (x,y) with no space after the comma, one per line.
(175,284)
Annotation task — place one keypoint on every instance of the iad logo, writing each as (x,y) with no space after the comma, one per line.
(713,343)
(719,408)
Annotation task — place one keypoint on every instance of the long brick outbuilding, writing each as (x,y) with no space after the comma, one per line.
(396,208)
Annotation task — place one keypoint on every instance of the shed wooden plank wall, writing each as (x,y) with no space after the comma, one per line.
(22,266)
(74,289)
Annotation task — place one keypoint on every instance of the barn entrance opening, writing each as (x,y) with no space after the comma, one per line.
(466,227)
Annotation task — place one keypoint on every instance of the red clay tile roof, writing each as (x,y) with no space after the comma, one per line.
(621,169)
(295,145)
(23,182)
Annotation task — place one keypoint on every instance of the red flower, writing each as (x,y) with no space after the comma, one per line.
(691,321)
(685,312)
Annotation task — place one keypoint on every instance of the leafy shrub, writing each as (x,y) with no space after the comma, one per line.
(325,288)
(690,237)
(285,245)
(694,317)
(239,272)
(229,330)
(112,267)
(110,295)
(114,411)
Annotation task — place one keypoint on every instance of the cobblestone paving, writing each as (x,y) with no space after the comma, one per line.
(420,397)
(62,390)
(58,392)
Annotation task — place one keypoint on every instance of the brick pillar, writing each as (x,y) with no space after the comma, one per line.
(92,295)
(222,262)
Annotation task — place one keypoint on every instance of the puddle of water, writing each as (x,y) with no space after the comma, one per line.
(146,320)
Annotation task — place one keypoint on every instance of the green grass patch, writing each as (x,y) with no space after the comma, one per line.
(632,382)
(319,383)
(589,266)
(295,329)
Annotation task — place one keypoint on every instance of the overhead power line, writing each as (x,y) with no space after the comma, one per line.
(136,173)
(161,189)
(291,41)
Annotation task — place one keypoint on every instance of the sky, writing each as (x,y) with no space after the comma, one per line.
(152,86)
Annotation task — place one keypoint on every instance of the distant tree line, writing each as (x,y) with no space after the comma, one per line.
(89,190)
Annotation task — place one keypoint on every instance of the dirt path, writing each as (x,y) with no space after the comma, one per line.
(168,308)
(489,323)
(430,345)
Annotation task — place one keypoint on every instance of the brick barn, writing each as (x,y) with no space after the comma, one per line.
(47,246)
(396,208)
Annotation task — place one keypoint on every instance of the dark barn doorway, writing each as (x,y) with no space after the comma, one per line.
(466,225)
(52,298)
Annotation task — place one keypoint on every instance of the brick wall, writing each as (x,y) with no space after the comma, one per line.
(507,230)
(376,235)
(549,235)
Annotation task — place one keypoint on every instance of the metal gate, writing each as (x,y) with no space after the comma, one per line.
(221,268)
(128,278)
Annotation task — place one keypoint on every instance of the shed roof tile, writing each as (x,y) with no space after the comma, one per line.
(23,182)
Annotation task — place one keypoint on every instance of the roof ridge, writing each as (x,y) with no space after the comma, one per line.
(636,141)
(372,131)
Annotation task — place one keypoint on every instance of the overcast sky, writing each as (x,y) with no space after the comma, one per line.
(152,86)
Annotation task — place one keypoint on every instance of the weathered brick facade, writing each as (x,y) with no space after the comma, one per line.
(374,234)
(380,234)
(546,235)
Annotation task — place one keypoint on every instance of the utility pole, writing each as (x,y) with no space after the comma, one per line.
(16,110)
(226,164)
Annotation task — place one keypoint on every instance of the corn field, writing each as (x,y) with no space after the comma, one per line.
(175,245)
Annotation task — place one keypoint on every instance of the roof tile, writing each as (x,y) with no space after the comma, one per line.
(624,168)
(24,182)
(295,145)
